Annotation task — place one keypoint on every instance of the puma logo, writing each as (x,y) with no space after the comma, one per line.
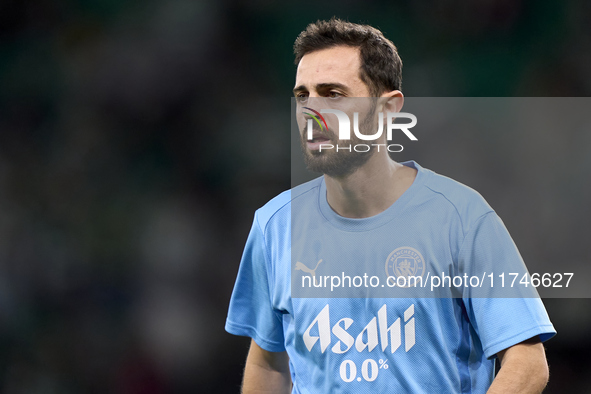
(302,267)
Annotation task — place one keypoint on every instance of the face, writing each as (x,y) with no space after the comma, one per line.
(326,79)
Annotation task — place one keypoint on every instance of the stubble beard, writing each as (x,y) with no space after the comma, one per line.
(341,163)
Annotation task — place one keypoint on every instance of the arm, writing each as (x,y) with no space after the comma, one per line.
(266,372)
(523,369)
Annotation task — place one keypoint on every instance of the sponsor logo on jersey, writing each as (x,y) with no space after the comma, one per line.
(302,267)
(407,262)
(375,332)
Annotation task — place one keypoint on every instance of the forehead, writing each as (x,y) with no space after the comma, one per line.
(339,64)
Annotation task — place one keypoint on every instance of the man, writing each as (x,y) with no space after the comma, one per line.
(365,211)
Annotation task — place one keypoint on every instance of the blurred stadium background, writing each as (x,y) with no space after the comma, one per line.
(138,137)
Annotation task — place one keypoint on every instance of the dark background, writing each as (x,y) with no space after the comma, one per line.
(138,137)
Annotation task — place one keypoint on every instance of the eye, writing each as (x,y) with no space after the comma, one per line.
(301,97)
(334,94)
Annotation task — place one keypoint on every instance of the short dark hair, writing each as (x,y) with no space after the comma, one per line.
(381,67)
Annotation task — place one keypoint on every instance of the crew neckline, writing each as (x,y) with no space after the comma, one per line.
(372,222)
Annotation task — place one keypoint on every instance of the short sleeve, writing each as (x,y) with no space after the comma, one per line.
(502,315)
(251,313)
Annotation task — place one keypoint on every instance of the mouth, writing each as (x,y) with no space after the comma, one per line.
(317,140)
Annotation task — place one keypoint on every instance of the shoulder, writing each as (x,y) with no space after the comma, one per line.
(465,201)
(279,207)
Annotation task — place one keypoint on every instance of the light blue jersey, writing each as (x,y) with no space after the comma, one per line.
(364,335)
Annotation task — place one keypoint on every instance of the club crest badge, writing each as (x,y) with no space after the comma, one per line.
(406,262)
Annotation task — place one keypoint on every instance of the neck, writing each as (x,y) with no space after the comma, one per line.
(371,189)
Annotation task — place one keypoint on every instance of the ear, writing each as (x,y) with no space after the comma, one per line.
(392,101)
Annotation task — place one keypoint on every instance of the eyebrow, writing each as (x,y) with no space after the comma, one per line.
(323,86)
